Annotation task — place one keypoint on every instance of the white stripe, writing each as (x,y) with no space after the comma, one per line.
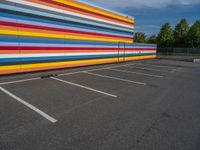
(9,43)
(18,81)
(139,73)
(115,78)
(140,46)
(53,54)
(67,12)
(84,87)
(73,45)
(119,13)
(3,56)
(58,45)
(141,51)
(60,26)
(29,105)
(67,27)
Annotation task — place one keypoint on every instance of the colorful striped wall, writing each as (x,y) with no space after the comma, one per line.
(50,34)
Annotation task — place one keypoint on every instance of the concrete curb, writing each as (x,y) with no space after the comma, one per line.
(186,59)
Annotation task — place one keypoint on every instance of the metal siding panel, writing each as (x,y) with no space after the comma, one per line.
(39,37)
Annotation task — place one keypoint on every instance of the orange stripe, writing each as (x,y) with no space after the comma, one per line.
(89,6)
(9,51)
(57,67)
(79,12)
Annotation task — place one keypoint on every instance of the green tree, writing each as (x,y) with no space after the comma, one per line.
(166,36)
(194,35)
(152,39)
(180,33)
(139,37)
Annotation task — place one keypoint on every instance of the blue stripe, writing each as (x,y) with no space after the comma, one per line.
(69,42)
(53,41)
(13,8)
(55,58)
(2,14)
(25,11)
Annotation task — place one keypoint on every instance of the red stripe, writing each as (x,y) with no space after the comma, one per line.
(79,9)
(67,48)
(51,48)
(57,29)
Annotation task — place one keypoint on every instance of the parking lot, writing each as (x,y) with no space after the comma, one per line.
(147,104)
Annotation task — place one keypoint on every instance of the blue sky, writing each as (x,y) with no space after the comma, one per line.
(151,14)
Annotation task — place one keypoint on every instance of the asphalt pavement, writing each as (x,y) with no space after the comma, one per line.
(141,105)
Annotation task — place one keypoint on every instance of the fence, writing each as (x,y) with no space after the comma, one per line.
(179,51)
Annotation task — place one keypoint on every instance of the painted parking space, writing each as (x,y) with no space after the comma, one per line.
(158,66)
(30,106)
(15,115)
(137,73)
(141,70)
(42,95)
(47,97)
(128,74)
(103,84)
(51,96)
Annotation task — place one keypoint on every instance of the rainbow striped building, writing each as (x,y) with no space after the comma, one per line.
(50,34)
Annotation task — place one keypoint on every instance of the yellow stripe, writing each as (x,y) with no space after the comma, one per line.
(55,64)
(75,37)
(139,57)
(12,67)
(71,3)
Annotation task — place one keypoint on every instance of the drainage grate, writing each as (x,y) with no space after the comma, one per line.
(48,76)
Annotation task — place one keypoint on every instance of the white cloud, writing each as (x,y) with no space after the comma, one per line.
(141,3)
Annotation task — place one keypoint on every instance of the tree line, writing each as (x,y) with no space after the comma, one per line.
(182,36)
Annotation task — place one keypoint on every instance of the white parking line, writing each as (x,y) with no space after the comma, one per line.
(84,87)
(115,78)
(51,119)
(81,71)
(31,79)
(139,73)
(158,66)
(77,72)
(145,68)
(18,81)
(64,74)
(96,69)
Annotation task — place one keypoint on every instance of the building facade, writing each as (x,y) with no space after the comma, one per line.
(51,34)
